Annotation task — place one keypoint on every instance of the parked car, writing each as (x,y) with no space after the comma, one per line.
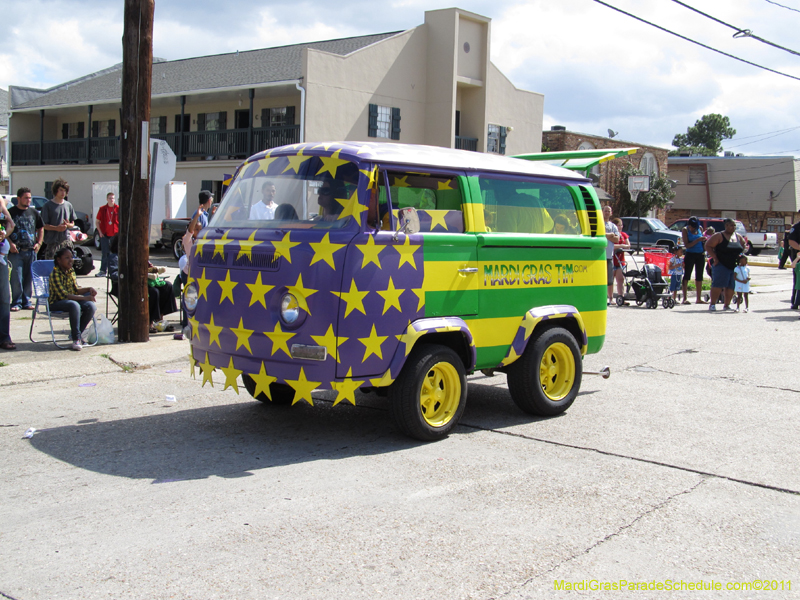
(756,242)
(649,231)
(172,232)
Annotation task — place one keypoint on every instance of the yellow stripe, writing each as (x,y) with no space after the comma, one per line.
(595,322)
(473,217)
(495,275)
(583,219)
(443,276)
(494,332)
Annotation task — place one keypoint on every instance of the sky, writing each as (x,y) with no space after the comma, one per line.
(598,69)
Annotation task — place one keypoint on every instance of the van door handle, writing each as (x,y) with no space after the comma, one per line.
(468,270)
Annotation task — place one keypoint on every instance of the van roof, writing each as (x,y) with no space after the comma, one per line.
(428,156)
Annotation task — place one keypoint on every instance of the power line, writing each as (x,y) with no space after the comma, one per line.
(747,137)
(782,6)
(759,141)
(739,31)
(683,37)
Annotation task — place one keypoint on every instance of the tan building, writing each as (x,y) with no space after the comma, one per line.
(433,84)
(760,191)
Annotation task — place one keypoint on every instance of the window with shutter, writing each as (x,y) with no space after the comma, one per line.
(372,125)
(201,121)
(395,124)
(187,122)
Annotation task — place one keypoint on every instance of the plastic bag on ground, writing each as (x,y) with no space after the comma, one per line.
(105,331)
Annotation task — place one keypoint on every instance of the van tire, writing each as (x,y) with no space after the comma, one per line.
(281,394)
(428,397)
(546,379)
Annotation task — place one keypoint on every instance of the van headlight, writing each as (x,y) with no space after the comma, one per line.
(190,296)
(290,309)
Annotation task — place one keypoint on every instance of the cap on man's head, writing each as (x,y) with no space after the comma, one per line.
(694,222)
(205,196)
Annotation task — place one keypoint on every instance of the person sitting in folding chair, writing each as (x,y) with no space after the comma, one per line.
(66,296)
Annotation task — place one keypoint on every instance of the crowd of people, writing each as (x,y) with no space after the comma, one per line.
(23,232)
(722,254)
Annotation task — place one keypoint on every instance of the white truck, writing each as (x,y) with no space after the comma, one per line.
(757,241)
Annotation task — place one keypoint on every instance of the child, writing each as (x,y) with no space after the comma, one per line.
(675,268)
(742,285)
(709,232)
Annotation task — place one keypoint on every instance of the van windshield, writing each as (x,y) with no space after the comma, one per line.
(300,192)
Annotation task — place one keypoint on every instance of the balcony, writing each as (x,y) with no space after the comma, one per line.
(229,144)
(466,143)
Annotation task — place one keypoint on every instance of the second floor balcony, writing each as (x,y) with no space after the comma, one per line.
(229,144)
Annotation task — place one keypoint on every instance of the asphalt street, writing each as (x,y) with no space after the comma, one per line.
(682,467)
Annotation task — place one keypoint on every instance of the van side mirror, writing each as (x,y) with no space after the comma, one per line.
(408,222)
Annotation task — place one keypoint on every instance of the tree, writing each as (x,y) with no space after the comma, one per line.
(660,194)
(705,137)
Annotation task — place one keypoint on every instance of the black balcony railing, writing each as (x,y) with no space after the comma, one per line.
(465,143)
(230,144)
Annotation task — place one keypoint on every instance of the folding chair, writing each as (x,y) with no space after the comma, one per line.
(41,270)
(109,286)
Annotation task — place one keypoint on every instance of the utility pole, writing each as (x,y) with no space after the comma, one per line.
(134,166)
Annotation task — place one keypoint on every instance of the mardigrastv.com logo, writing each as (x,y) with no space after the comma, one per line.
(531,274)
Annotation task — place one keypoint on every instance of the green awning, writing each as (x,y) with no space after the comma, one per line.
(578,160)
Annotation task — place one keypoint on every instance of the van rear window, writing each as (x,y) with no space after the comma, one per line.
(519,206)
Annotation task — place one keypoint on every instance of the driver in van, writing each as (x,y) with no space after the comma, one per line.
(328,192)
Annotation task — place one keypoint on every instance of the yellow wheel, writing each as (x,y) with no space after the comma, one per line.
(546,379)
(440,395)
(430,394)
(557,371)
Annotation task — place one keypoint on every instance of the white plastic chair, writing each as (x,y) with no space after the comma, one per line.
(40,270)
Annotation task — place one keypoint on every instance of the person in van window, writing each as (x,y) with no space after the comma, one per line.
(694,259)
(328,192)
(265,209)
(724,249)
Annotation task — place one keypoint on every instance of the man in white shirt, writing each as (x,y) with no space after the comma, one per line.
(265,210)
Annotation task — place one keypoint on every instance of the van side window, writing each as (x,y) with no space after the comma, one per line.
(519,206)
(437,200)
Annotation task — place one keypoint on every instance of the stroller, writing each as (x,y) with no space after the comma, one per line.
(647,283)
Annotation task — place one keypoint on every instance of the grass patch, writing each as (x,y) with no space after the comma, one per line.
(706,285)
(2,364)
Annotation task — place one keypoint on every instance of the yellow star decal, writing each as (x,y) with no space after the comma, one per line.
(354,299)
(346,389)
(421,298)
(199,243)
(391,297)
(242,336)
(279,339)
(512,356)
(437,218)
(330,342)
(263,164)
(384,380)
(372,177)
(202,285)
(352,207)
(373,344)
(444,185)
(207,368)
(301,293)
(364,149)
(231,374)
(529,322)
(401,182)
(227,288)
(296,161)
(192,364)
(331,163)
(258,291)
(246,248)
(284,247)
(324,250)
(406,251)
(213,332)
(410,337)
(263,382)
(324,146)
(370,252)
(219,245)
(303,388)
(195,327)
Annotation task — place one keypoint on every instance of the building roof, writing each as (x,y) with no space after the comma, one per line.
(219,71)
(700,159)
